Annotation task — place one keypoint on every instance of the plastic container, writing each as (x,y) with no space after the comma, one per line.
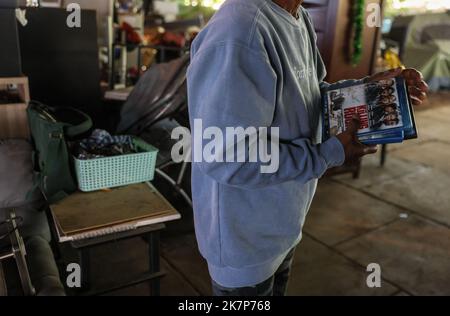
(109,172)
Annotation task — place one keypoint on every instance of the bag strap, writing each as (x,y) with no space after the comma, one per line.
(70,130)
(75,130)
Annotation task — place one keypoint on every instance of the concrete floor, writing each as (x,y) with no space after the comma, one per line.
(397,216)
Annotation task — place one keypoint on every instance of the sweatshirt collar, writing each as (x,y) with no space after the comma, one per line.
(286,15)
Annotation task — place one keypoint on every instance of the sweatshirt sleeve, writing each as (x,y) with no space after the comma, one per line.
(230,85)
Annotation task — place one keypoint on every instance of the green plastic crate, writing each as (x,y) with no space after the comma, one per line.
(116,171)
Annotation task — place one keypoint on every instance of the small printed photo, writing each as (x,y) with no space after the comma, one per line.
(386,83)
(336,100)
(390,108)
(383,92)
(383,117)
(385,100)
(336,122)
(387,92)
(376,104)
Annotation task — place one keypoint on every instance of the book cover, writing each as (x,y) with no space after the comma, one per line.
(383,107)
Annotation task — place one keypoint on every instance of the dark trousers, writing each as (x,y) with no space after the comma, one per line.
(276,285)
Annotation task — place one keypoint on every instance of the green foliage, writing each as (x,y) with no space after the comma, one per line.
(390,12)
(358,28)
(190,12)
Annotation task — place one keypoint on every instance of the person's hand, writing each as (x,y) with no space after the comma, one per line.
(417,87)
(354,150)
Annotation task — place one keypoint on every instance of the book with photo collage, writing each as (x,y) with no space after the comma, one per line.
(384,109)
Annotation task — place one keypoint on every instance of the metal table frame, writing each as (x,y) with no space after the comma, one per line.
(151,234)
(18,252)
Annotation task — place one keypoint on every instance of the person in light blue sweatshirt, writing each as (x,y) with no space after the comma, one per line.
(256,64)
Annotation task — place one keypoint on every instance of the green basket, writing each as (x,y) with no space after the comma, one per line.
(111,172)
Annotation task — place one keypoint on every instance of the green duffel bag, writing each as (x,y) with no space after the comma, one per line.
(51,128)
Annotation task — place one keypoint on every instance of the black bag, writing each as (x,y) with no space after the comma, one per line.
(50,129)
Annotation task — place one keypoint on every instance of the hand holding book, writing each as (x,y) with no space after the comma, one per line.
(353,148)
(417,86)
(383,104)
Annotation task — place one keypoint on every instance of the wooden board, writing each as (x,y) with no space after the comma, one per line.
(14,121)
(13,116)
(85,212)
(22,86)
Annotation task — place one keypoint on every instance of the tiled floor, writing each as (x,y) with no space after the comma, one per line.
(413,253)
(397,216)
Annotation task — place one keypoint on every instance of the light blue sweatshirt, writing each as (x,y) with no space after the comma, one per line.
(254,64)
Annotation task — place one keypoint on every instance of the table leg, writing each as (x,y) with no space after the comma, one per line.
(357,171)
(3,287)
(154,263)
(85,264)
(383,155)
